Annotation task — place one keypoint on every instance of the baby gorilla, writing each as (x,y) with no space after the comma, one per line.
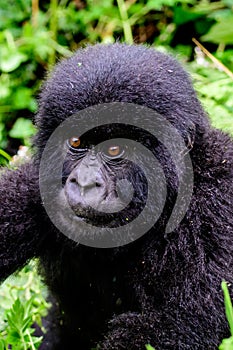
(164,286)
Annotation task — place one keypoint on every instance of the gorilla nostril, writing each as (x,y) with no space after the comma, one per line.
(73,180)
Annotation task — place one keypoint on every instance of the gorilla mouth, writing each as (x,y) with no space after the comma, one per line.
(102,219)
(113,214)
(92,217)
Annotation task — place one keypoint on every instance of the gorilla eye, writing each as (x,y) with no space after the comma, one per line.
(74,142)
(114,151)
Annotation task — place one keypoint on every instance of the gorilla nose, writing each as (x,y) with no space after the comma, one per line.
(85,188)
(86,180)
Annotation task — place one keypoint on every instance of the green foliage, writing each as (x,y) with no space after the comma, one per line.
(227,344)
(149,347)
(26,45)
(20,334)
(221,32)
(22,303)
(22,129)
(215,91)
(4,157)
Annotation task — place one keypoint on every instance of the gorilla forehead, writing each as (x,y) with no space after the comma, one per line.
(118,73)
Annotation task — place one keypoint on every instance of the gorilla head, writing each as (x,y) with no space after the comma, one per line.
(118,107)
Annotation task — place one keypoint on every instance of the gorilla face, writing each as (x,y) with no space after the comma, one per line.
(113,179)
(101,185)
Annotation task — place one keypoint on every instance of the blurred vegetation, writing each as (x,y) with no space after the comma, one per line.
(34,35)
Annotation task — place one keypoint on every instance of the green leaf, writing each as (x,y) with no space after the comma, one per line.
(227,344)
(5,155)
(2,344)
(182,15)
(23,128)
(23,99)
(228,305)
(13,337)
(221,32)
(149,347)
(26,323)
(11,60)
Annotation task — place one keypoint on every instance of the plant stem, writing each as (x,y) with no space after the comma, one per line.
(32,347)
(35,12)
(125,21)
(53,29)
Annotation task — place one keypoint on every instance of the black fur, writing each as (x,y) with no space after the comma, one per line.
(161,289)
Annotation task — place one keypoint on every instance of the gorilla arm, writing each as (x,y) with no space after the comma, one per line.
(20,218)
